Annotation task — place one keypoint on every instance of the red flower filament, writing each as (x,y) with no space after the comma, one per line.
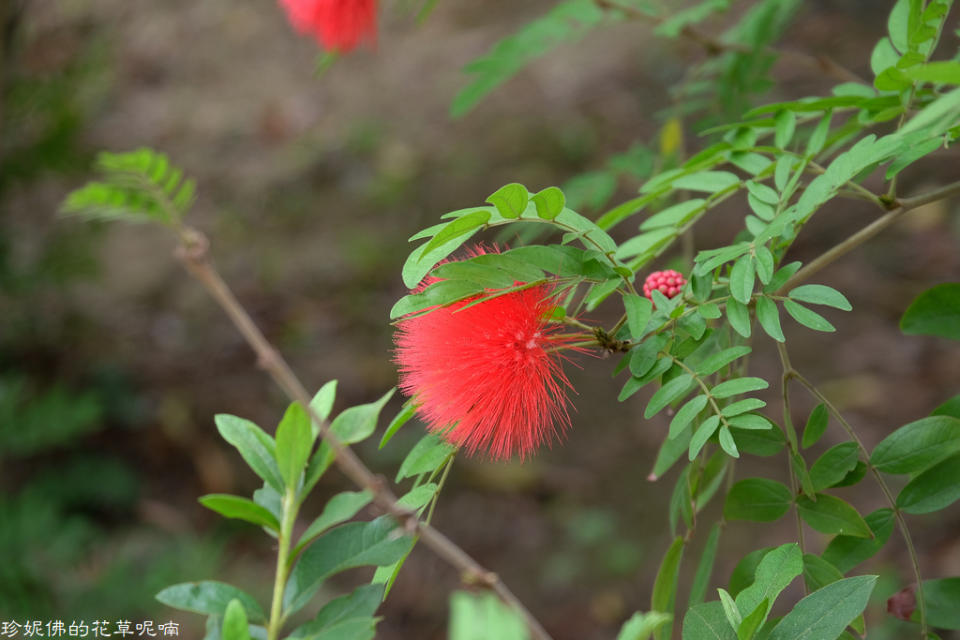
(338,25)
(488,376)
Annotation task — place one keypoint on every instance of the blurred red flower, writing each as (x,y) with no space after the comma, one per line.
(338,25)
(488,377)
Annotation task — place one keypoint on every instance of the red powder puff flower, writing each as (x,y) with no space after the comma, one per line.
(338,25)
(488,377)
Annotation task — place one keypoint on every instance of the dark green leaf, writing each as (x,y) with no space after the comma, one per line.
(949,408)
(549,203)
(781,276)
(818,573)
(235,626)
(701,578)
(256,447)
(816,425)
(833,465)
(821,294)
(671,391)
(665,584)
(918,445)
(209,597)
(743,574)
(846,552)
(830,514)
(935,312)
(240,508)
(738,386)
(806,317)
(511,201)
(362,603)
(752,621)
(769,318)
(350,545)
(757,499)
(425,456)
(456,228)
(671,449)
(294,442)
(408,410)
(707,622)
(767,442)
(934,489)
(827,612)
(941,597)
(339,508)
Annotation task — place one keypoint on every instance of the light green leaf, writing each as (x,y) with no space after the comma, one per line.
(256,447)
(639,310)
(727,443)
(671,391)
(764,264)
(241,508)
(549,202)
(830,514)
(742,279)
(821,294)
(708,181)
(719,360)
(686,414)
(785,123)
(935,312)
(738,386)
(511,201)
(339,508)
(750,421)
(482,617)
(425,456)
(739,317)
(705,567)
(730,609)
(209,597)
(294,442)
(833,466)
(742,406)
(758,500)
(806,317)
(778,568)
(945,72)
(707,622)
(456,228)
(235,626)
(703,433)
(818,573)
(846,552)
(827,612)
(407,412)
(322,402)
(640,626)
(676,215)
(816,425)
(665,584)
(934,489)
(769,317)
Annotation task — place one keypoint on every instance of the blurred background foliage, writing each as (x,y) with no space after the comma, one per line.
(112,363)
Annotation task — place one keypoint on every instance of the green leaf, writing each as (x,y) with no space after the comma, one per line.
(511,201)
(739,317)
(241,508)
(806,317)
(742,279)
(419,496)
(639,310)
(703,433)
(727,442)
(764,264)
(753,621)
(949,408)
(640,626)
(407,412)
(941,597)
(707,622)
(322,403)
(778,568)
(730,609)
(356,424)
(455,229)
(719,360)
(818,573)
(235,626)
(738,386)
(934,489)
(701,578)
(781,276)
(821,294)
(816,425)
(742,406)
(819,135)
(833,466)
(686,414)
(758,500)
(353,608)
(671,391)
(665,584)
(918,445)
(294,442)
(785,123)
(767,442)
(354,544)
(935,312)
(209,597)
(898,24)
(425,456)
(482,617)
(827,612)
(944,72)
(549,202)
(830,514)
(846,552)
(769,318)
(708,181)
(339,508)
(675,216)
(256,447)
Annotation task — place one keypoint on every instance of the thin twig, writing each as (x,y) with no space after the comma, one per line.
(194,254)
(901,522)
(843,248)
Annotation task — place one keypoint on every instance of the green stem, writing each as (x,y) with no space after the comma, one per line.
(289,505)
(884,488)
(792,440)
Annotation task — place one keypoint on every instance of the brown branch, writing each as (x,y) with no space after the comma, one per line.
(193,252)
(843,248)
(714,46)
